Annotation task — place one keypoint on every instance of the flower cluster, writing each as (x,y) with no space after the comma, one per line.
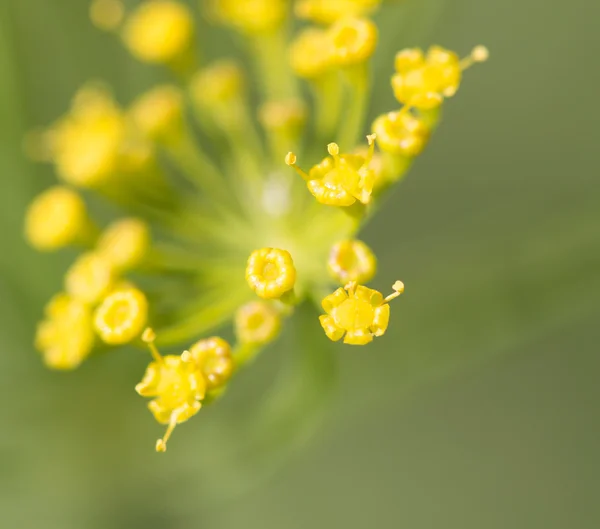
(203,242)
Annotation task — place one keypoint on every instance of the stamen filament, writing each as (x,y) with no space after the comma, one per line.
(161,444)
(149,337)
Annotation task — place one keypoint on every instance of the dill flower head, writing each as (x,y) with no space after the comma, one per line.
(214,231)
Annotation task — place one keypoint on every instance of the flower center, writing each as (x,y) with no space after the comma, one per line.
(354,314)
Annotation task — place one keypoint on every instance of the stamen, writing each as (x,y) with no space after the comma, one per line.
(398,288)
(290,159)
(478,54)
(149,337)
(161,444)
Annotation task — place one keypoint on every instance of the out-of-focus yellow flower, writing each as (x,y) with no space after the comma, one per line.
(250,16)
(352,41)
(352,260)
(257,322)
(423,81)
(90,278)
(308,53)
(330,11)
(66,336)
(218,83)
(357,313)
(286,117)
(125,243)
(177,385)
(340,179)
(158,114)
(213,357)
(401,133)
(159,31)
(107,14)
(57,218)
(122,316)
(270,272)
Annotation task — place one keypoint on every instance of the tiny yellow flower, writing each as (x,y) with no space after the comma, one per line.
(158,114)
(213,357)
(340,179)
(177,385)
(257,322)
(401,133)
(218,83)
(330,11)
(107,14)
(424,81)
(125,243)
(307,56)
(89,278)
(66,336)
(122,316)
(57,218)
(283,116)
(250,16)
(159,31)
(352,260)
(357,313)
(352,41)
(270,272)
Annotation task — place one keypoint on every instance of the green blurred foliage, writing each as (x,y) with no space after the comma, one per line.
(496,233)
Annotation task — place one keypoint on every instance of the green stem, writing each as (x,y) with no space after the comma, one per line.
(354,119)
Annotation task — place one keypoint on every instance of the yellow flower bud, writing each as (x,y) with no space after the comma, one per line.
(401,133)
(66,337)
(357,313)
(251,16)
(158,114)
(57,218)
(257,322)
(213,357)
(352,41)
(330,11)
(159,31)
(287,117)
(340,179)
(219,83)
(308,57)
(270,272)
(352,260)
(90,278)
(177,385)
(122,316)
(107,14)
(125,243)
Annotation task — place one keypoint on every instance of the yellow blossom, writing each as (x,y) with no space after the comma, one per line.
(125,243)
(307,53)
(122,316)
(329,11)
(352,260)
(159,31)
(218,83)
(107,14)
(250,16)
(401,133)
(90,278)
(177,385)
(352,41)
(340,179)
(257,322)
(270,272)
(58,218)
(213,357)
(158,114)
(357,313)
(423,81)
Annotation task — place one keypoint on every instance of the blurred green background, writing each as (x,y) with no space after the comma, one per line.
(478,409)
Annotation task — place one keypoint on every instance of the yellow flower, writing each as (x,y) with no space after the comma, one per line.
(352,41)
(158,114)
(177,385)
(213,357)
(270,272)
(66,336)
(340,179)
(357,313)
(122,316)
(307,53)
(219,83)
(424,81)
(58,218)
(401,133)
(352,260)
(329,11)
(159,31)
(251,16)
(107,14)
(125,243)
(257,322)
(90,278)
